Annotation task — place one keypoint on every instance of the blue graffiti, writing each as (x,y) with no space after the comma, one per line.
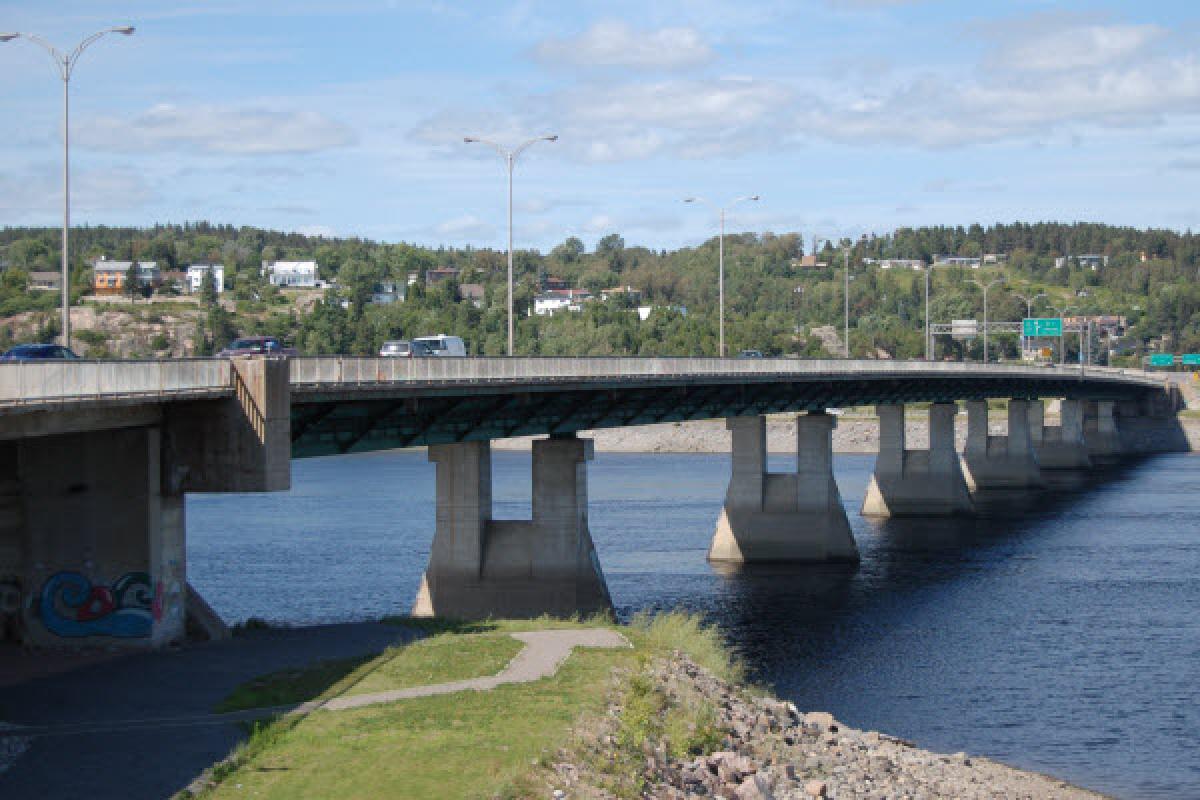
(71,606)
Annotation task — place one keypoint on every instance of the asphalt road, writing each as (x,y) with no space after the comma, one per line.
(136,726)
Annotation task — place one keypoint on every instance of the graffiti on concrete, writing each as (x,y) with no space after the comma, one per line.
(71,606)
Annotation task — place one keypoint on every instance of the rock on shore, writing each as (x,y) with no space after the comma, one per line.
(772,751)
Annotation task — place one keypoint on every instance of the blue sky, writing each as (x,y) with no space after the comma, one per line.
(846,116)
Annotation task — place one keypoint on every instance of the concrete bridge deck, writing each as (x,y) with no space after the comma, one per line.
(96,459)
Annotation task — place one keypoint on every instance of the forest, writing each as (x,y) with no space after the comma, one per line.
(772,302)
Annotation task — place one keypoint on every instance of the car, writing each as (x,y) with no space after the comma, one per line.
(256,346)
(40,352)
(402,348)
(750,354)
(443,346)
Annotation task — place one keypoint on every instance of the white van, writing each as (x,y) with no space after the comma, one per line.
(443,346)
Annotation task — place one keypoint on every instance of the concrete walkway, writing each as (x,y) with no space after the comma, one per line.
(173,748)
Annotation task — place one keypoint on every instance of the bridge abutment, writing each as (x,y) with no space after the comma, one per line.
(1063,446)
(1000,462)
(783,517)
(481,567)
(921,483)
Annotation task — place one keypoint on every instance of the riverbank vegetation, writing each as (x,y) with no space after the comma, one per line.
(494,743)
(775,303)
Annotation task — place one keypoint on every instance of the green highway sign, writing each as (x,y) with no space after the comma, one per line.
(1191,359)
(1162,360)
(1033,326)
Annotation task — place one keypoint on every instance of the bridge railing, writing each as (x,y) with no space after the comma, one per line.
(49,382)
(349,370)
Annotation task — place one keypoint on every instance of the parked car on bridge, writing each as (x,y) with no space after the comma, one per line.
(256,346)
(442,346)
(402,348)
(750,354)
(39,352)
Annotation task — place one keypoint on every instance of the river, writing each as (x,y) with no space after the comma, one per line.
(1060,635)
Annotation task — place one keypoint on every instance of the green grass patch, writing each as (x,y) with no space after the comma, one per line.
(492,744)
(441,659)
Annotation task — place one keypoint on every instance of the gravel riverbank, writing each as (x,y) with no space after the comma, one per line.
(769,750)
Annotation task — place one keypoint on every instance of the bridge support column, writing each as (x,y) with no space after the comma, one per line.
(1100,431)
(480,567)
(1000,462)
(917,483)
(1062,445)
(102,540)
(789,517)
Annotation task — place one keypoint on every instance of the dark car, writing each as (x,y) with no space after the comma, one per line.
(39,352)
(750,354)
(256,346)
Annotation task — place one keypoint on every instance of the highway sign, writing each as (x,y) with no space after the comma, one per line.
(1162,360)
(1034,326)
(1191,359)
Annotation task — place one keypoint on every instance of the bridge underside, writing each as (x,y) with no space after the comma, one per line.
(356,421)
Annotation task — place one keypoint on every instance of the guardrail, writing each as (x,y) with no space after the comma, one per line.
(348,371)
(51,382)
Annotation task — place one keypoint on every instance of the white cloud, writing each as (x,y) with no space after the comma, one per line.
(1080,46)
(615,44)
(465,228)
(216,130)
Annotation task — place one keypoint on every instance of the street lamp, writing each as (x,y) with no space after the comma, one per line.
(510,161)
(1062,332)
(66,65)
(721,263)
(985,288)
(1029,301)
(846,296)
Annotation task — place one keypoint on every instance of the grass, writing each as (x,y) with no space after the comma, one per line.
(444,658)
(493,744)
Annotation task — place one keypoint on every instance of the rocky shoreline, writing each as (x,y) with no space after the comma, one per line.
(853,434)
(769,750)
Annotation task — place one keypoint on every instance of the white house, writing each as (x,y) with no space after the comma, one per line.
(560,300)
(196,273)
(902,263)
(293,274)
(957,261)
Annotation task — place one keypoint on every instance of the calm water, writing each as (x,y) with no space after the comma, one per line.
(1063,637)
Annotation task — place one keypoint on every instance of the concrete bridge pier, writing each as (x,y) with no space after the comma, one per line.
(921,483)
(1101,432)
(480,567)
(1062,446)
(1000,462)
(783,517)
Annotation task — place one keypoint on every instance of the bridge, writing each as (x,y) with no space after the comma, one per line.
(96,458)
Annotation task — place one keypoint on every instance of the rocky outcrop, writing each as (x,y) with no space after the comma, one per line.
(769,750)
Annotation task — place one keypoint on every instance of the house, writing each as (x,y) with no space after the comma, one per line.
(388,292)
(620,291)
(291,274)
(551,283)
(902,263)
(810,262)
(196,273)
(1092,261)
(957,261)
(473,293)
(45,281)
(995,258)
(556,300)
(108,277)
(439,274)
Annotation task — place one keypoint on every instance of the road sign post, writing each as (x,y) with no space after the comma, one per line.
(1162,360)
(1033,327)
(1191,359)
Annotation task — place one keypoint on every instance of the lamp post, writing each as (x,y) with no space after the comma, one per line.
(928,335)
(66,66)
(985,288)
(1029,301)
(1062,332)
(721,263)
(510,161)
(846,301)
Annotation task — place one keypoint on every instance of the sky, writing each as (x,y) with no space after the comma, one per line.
(845,116)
